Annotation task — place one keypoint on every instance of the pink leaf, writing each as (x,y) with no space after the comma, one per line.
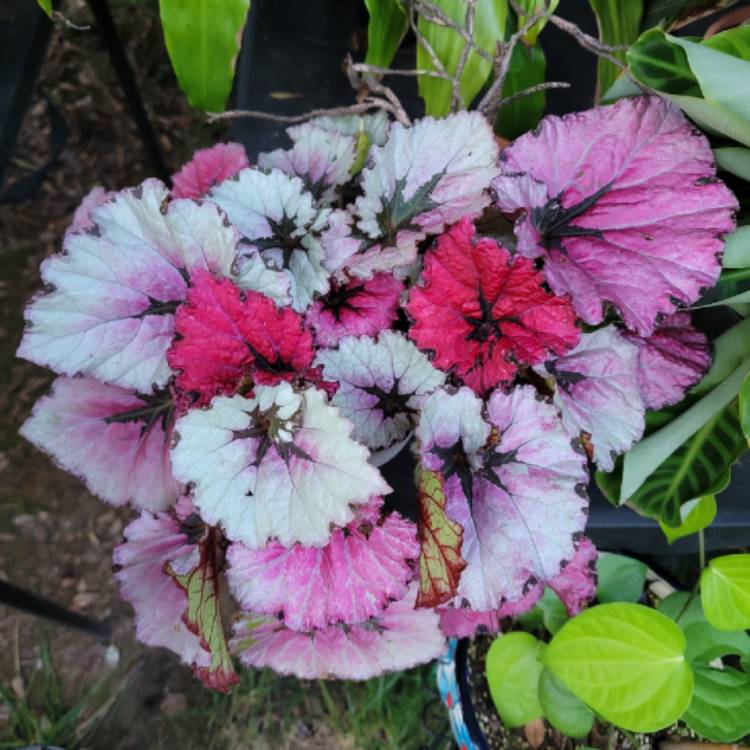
(117,441)
(631,212)
(208,167)
(576,583)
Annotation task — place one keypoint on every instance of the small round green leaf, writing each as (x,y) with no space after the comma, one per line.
(683,608)
(562,709)
(513,670)
(695,515)
(626,662)
(620,578)
(720,709)
(725,592)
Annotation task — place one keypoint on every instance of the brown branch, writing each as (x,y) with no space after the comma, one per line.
(375,70)
(352,109)
(533,90)
(456,100)
(423,42)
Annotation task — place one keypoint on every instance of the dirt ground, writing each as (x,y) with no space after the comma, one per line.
(56,539)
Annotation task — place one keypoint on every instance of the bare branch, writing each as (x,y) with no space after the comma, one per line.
(352,109)
(456,101)
(533,90)
(424,42)
(375,70)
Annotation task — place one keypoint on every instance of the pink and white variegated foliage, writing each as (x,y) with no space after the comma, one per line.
(238,355)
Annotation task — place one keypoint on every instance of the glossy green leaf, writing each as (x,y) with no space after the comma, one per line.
(683,608)
(513,670)
(684,459)
(386,28)
(737,244)
(619,578)
(46,6)
(720,708)
(528,67)
(733,286)
(662,65)
(695,515)
(619,24)
(725,592)
(734,160)
(562,709)
(489,28)
(626,662)
(722,67)
(714,117)
(730,349)
(203,40)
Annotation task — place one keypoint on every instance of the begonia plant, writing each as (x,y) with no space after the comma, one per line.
(237,357)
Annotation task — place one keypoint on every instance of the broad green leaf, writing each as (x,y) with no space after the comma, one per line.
(725,592)
(489,28)
(734,160)
(623,86)
(722,76)
(554,614)
(705,643)
(626,662)
(513,671)
(695,515)
(619,24)
(662,65)
(619,578)
(714,117)
(744,408)
(562,709)
(528,67)
(732,287)
(46,6)
(532,7)
(667,12)
(204,619)
(685,445)
(385,30)
(720,708)
(730,349)
(203,40)
(737,244)
(682,607)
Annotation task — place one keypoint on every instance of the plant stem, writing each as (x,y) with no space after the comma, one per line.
(701,551)
(331,707)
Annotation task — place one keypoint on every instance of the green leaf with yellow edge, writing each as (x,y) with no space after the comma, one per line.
(513,670)
(725,592)
(695,515)
(203,40)
(440,540)
(562,709)
(626,662)
(489,28)
(202,616)
(385,30)
(619,25)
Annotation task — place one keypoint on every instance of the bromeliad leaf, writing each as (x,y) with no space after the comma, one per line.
(440,539)
(203,40)
(385,30)
(202,616)
(289,467)
(110,311)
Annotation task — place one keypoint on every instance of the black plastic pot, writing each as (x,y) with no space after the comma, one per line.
(297,48)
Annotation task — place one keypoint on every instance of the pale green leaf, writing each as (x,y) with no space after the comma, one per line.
(489,28)
(714,117)
(737,244)
(619,24)
(651,452)
(619,578)
(513,670)
(734,160)
(385,30)
(725,592)
(730,349)
(562,709)
(627,663)
(744,408)
(695,516)
(203,40)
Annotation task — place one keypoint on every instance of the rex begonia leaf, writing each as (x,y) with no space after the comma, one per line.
(208,167)
(576,582)
(381,385)
(440,561)
(598,393)
(109,313)
(481,311)
(82,216)
(425,177)
(398,638)
(203,617)
(671,360)
(450,434)
(151,543)
(457,622)
(281,464)
(528,503)
(225,336)
(356,308)
(352,578)
(116,440)
(278,219)
(631,213)
(322,158)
